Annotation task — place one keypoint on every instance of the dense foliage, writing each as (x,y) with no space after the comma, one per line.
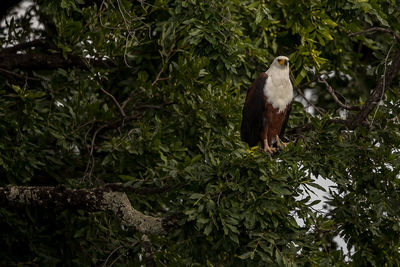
(149,93)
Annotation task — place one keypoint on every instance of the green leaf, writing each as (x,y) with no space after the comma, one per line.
(196,196)
(300,77)
(208,229)
(280,189)
(249,254)
(317,186)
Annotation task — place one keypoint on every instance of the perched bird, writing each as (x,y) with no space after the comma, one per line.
(267,107)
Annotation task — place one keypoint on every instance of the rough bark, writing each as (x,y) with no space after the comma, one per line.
(97,199)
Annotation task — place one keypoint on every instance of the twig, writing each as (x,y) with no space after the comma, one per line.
(304,85)
(91,161)
(377,29)
(98,80)
(110,125)
(114,261)
(319,110)
(126,102)
(121,110)
(169,54)
(332,93)
(149,254)
(115,250)
(19,75)
(383,82)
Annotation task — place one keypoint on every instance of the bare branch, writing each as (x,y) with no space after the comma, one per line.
(377,29)
(19,75)
(96,199)
(333,94)
(149,254)
(91,161)
(170,53)
(319,110)
(299,88)
(121,110)
(383,81)
(112,252)
(126,102)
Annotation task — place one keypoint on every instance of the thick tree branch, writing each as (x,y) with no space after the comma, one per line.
(96,199)
(44,61)
(22,56)
(332,93)
(24,46)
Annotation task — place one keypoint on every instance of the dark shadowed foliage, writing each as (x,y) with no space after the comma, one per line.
(146,97)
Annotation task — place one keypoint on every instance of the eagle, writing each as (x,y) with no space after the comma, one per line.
(267,107)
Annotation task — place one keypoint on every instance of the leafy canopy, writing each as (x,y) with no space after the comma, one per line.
(179,70)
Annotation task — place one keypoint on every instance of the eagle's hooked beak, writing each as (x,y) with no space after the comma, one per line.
(283,62)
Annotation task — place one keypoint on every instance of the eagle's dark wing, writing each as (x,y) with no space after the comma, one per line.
(253,112)
(285,121)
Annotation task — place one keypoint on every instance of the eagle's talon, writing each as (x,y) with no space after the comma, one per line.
(282,145)
(270,150)
(285,144)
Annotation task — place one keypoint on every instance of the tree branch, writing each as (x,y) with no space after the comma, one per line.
(377,29)
(392,71)
(11,73)
(319,110)
(121,110)
(96,199)
(45,61)
(11,59)
(332,93)
(24,46)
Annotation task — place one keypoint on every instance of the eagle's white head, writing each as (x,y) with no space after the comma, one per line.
(281,62)
(279,67)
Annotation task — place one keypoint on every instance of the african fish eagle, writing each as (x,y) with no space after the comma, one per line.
(267,106)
